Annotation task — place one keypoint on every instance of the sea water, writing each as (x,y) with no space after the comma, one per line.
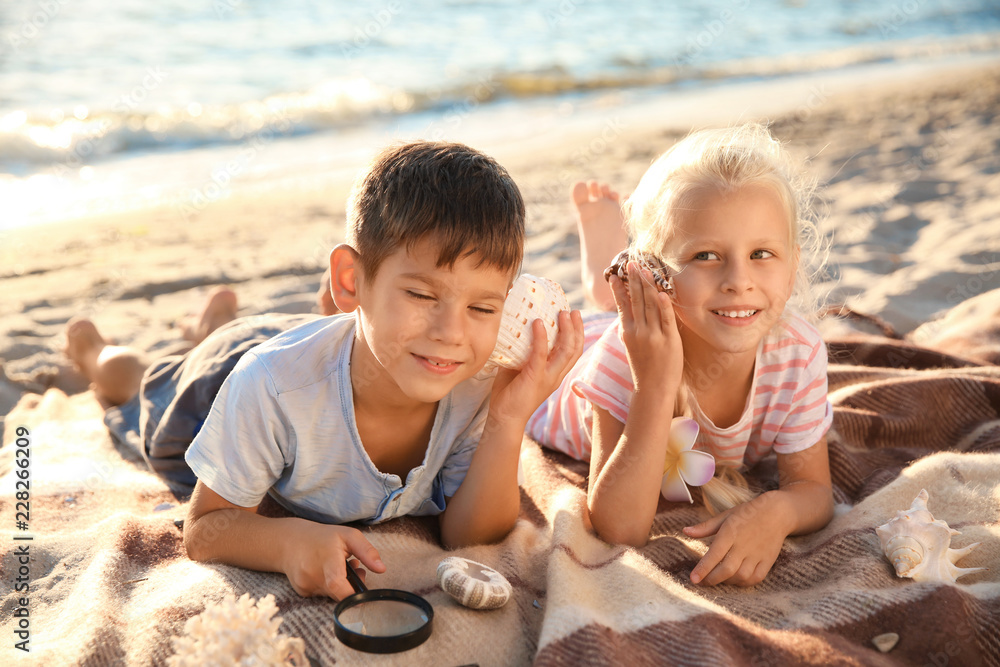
(116,105)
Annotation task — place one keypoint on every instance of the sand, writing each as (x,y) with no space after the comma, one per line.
(908,165)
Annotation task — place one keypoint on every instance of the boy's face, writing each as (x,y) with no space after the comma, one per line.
(423,329)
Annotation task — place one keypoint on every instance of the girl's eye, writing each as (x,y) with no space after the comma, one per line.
(761,254)
(484,311)
(706,255)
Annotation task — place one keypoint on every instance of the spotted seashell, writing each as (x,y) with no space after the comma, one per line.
(530,298)
(662,275)
(917,545)
(473,584)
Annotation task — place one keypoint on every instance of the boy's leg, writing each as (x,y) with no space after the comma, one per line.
(115,371)
(602,236)
(220,308)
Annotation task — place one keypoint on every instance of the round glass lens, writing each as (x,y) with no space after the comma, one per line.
(383,618)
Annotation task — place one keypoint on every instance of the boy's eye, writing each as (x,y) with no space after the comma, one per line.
(418,295)
(483,310)
(761,254)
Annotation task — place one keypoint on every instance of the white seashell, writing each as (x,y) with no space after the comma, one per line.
(886,642)
(917,545)
(530,298)
(473,584)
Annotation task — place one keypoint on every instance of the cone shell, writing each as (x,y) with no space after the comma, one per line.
(886,642)
(917,545)
(473,584)
(530,298)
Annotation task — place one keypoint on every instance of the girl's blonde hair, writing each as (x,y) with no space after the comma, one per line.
(724,161)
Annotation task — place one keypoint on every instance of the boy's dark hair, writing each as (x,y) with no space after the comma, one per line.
(461,198)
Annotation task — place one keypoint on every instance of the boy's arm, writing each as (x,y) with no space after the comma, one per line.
(312,555)
(487,503)
(748,537)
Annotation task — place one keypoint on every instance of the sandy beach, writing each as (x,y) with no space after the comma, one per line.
(907,167)
(907,162)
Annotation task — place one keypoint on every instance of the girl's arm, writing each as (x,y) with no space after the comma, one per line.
(312,555)
(626,469)
(748,537)
(488,502)
(626,461)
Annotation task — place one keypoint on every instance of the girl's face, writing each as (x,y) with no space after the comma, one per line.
(738,267)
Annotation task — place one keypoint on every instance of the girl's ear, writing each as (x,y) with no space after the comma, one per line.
(344,273)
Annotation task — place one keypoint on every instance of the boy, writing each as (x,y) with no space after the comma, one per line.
(383,411)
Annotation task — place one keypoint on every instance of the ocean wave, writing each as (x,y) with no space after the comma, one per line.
(31,143)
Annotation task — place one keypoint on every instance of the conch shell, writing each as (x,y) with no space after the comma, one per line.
(530,298)
(662,274)
(917,545)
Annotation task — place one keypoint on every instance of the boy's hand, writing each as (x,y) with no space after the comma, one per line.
(649,331)
(748,539)
(517,394)
(317,560)
(486,505)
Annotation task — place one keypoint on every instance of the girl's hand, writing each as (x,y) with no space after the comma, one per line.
(318,563)
(748,539)
(517,394)
(649,330)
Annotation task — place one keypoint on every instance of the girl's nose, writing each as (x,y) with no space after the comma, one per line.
(736,279)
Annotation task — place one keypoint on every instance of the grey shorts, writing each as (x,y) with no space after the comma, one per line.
(177,392)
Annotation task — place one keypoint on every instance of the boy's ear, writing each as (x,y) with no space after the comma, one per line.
(344,273)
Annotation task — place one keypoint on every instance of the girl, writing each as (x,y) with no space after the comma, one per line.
(723,211)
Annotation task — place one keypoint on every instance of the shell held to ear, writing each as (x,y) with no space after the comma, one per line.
(530,298)
(917,545)
(662,274)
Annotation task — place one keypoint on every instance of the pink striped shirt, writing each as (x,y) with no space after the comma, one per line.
(786,410)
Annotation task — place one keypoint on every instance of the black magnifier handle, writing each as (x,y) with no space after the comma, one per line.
(352,576)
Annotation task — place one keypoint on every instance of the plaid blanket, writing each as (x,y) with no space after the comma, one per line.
(109,581)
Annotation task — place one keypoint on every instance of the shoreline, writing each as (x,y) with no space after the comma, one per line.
(906,161)
(190,179)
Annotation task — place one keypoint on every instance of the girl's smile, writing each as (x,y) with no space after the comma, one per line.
(738,317)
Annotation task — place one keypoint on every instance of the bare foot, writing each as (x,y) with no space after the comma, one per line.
(115,372)
(602,236)
(83,345)
(324,297)
(220,308)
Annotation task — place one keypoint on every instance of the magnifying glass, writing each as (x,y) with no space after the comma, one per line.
(382,620)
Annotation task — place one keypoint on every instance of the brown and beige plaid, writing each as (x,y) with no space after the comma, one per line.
(110,583)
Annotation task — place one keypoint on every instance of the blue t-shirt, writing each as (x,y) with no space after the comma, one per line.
(283,424)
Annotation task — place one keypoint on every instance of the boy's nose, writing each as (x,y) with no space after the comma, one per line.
(447,325)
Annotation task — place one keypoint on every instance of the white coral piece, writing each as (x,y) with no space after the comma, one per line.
(917,545)
(237,633)
(530,298)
